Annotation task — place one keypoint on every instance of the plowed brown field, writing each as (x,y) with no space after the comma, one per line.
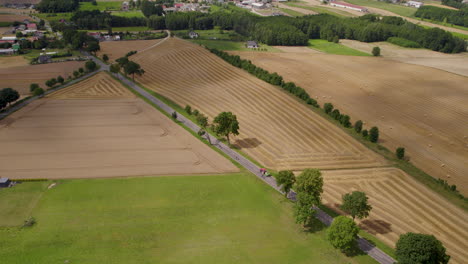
(419,108)
(13,17)
(117,49)
(97,128)
(274,128)
(18,75)
(400,205)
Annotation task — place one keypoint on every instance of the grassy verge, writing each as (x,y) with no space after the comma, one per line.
(101,6)
(397,9)
(334,48)
(291,12)
(320,9)
(230,218)
(231,45)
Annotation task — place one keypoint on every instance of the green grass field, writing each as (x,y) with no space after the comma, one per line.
(101,6)
(136,13)
(291,12)
(54,17)
(397,9)
(230,45)
(334,48)
(180,219)
(320,10)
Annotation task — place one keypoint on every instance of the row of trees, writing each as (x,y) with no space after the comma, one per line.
(343,232)
(129,67)
(455,3)
(96,19)
(456,17)
(57,6)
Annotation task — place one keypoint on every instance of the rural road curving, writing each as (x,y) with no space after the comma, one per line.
(364,245)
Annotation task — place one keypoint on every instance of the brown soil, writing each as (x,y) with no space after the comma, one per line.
(455,63)
(275,129)
(97,128)
(419,108)
(20,76)
(117,49)
(12,17)
(401,205)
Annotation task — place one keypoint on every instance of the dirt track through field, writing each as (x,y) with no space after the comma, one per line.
(21,75)
(97,128)
(400,205)
(275,129)
(419,108)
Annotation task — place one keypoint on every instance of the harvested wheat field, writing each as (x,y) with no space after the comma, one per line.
(400,205)
(97,128)
(419,108)
(455,63)
(275,129)
(17,73)
(117,49)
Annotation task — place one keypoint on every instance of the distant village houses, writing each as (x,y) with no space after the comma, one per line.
(252,44)
(414,4)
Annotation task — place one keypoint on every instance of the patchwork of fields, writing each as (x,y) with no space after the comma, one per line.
(275,130)
(97,128)
(416,107)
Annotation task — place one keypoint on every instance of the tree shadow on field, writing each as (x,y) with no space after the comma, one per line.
(376,226)
(314,225)
(354,251)
(247,143)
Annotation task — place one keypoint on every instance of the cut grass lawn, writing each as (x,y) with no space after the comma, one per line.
(137,13)
(17,203)
(101,6)
(179,219)
(230,45)
(54,17)
(334,48)
(397,9)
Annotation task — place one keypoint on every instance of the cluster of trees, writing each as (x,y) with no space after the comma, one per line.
(129,67)
(57,6)
(35,89)
(371,28)
(8,96)
(80,40)
(96,19)
(456,17)
(455,3)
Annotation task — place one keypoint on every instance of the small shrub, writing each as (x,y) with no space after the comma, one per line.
(374,134)
(365,133)
(33,87)
(336,114)
(60,79)
(174,115)
(188,109)
(201,132)
(403,42)
(328,107)
(195,112)
(400,153)
(38,91)
(376,51)
(358,126)
(30,222)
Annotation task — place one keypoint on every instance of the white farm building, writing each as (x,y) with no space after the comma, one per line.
(349,6)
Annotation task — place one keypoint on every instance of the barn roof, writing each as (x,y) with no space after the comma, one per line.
(4,180)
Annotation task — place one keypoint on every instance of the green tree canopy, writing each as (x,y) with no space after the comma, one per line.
(356,204)
(133,68)
(420,248)
(286,179)
(342,233)
(225,124)
(374,134)
(90,66)
(309,188)
(9,95)
(115,68)
(33,86)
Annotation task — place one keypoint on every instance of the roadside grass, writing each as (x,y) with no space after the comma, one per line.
(231,45)
(320,9)
(397,9)
(16,203)
(101,6)
(291,12)
(136,13)
(334,48)
(54,17)
(229,218)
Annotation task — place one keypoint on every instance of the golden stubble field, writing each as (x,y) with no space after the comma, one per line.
(117,49)
(419,108)
(17,73)
(401,204)
(283,134)
(97,128)
(274,129)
